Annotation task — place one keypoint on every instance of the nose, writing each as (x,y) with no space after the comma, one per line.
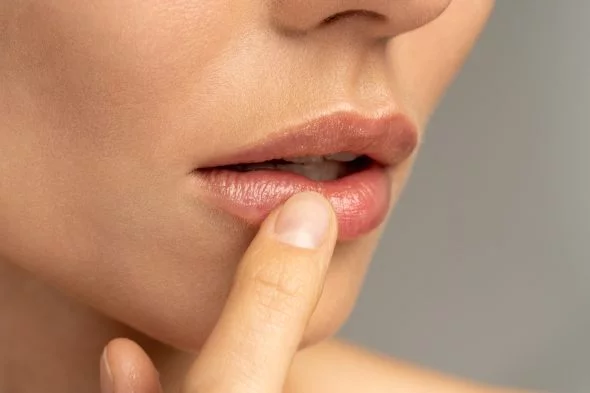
(372,18)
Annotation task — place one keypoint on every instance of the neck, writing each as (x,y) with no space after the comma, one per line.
(51,343)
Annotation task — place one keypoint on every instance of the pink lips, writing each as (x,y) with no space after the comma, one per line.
(360,200)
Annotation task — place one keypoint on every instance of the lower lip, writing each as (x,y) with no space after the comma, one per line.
(360,200)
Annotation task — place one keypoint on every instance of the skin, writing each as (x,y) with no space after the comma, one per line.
(105,111)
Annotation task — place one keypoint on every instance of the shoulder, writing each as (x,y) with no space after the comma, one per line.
(336,366)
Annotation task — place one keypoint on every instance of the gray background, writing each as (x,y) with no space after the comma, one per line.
(484,269)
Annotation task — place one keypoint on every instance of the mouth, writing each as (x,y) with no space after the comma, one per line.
(349,158)
(316,168)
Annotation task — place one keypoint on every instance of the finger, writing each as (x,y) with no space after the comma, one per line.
(125,368)
(277,286)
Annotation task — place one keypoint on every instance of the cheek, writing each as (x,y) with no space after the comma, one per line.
(90,207)
(424,62)
(92,91)
(96,73)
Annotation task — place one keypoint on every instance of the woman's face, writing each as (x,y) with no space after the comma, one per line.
(110,111)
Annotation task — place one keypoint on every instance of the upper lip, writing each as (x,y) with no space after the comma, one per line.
(388,139)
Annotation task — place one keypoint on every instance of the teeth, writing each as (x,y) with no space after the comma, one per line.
(341,157)
(306,160)
(324,171)
(317,168)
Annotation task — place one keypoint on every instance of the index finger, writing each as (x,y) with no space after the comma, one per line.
(277,286)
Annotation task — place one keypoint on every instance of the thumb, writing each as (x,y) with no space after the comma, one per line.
(125,367)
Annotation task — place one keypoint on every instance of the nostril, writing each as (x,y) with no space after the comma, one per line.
(348,14)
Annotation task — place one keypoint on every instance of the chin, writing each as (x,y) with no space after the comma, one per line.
(185,325)
(173,331)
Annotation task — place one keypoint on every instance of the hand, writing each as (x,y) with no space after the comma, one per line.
(277,286)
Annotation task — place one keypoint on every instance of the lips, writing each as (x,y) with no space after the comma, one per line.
(362,154)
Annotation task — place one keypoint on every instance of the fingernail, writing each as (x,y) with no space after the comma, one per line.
(107,385)
(303,221)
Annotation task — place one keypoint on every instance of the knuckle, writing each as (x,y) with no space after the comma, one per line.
(282,292)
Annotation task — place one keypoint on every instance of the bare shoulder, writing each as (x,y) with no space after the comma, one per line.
(336,366)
